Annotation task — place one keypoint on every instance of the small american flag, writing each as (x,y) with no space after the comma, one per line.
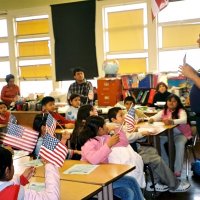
(53,150)
(130,119)
(20,137)
(50,125)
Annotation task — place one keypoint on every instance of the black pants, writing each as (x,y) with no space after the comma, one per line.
(198,123)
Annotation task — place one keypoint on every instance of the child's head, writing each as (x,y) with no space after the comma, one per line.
(86,111)
(75,100)
(116,115)
(161,87)
(6,165)
(128,101)
(48,104)
(39,123)
(173,102)
(3,108)
(94,126)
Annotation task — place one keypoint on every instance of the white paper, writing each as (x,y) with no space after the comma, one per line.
(184,59)
(36,186)
(19,154)
(81,169)
(33,163)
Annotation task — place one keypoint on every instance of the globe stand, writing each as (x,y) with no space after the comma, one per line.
(110,75)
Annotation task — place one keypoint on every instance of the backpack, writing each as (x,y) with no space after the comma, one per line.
(196,168)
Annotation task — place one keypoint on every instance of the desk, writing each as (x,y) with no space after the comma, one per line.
(25,118)
(74,190)
(104,175)
(169,131)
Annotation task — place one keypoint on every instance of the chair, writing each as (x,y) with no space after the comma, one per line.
(190,145)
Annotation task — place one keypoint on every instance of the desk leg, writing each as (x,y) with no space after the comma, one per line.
(171,148)
(110,191)
(100,196)
(105,193)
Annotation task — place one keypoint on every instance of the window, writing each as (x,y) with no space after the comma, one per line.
(177,34)
(33,47)
(39,87)
(125,36)
(4,49)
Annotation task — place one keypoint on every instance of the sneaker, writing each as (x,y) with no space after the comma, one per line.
(183,187)
(159,187)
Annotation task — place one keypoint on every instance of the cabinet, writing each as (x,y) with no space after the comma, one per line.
(109,91)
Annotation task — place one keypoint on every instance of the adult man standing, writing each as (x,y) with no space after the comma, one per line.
(82,87)
(189,72)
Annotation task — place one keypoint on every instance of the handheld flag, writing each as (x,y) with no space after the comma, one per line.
(53,150)
(50,124)
(130,119)
(20,137)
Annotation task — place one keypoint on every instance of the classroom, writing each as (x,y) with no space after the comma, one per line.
(99,99)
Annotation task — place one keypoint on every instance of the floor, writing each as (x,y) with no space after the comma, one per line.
(193,193)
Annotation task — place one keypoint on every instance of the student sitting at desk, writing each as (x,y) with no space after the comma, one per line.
(83,112)
(162,173)
(74,104)
(5,115)
(12,188)
(174,113)
(96,147)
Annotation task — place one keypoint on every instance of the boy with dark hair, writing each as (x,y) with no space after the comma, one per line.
(39,123)
(81,86)
(162,173)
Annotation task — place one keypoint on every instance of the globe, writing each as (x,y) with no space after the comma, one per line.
(110,67)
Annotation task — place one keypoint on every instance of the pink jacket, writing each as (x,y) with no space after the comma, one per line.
(97,151)
(52,183)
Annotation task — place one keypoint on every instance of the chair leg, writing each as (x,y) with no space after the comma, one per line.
(187,163)
(152,178)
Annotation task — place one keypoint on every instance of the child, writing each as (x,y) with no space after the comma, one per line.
(48,106)
(174,113)
(6,116)
(13,188)
(162,173)
(130,101)
(96,147)
(39,125)
(74,102)
(83,112)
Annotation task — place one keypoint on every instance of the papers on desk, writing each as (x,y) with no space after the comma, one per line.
(33,163)
(154,129)
(36,186)
(81,169)
(19,154)
(158,124)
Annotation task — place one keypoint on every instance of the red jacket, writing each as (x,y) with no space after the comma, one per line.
(4,119)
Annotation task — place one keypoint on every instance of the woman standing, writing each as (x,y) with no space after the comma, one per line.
(10,91)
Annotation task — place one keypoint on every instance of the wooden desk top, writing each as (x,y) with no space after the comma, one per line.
(60,131)
(102,175)
(3,125)
(73,190)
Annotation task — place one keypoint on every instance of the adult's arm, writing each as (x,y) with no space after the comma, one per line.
(189,72)
(3,97)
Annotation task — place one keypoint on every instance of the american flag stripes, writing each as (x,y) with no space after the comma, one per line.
(20,137)
(50,125)
(130,119)
(53,150)
(157,6)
